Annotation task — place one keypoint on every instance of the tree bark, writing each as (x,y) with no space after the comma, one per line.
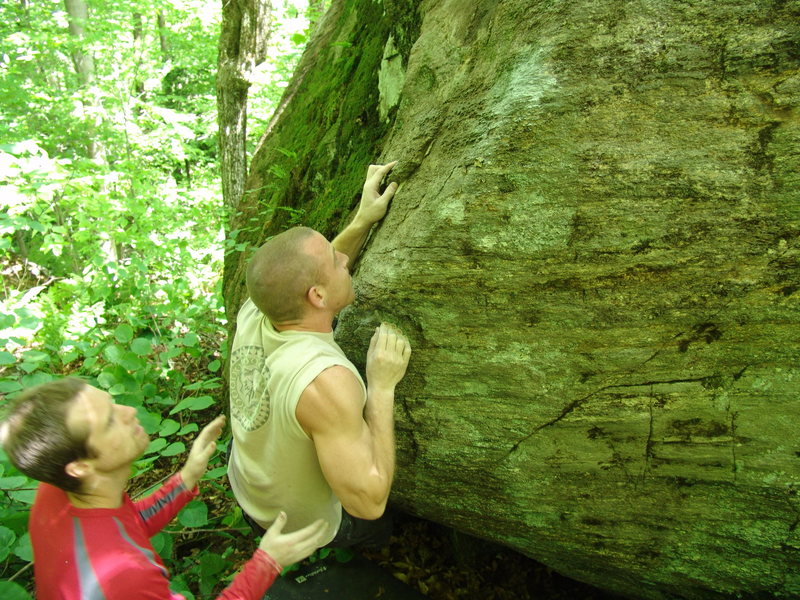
(138,41)
(24,9)
(594,251)
(78,12)
(242,46)
(163,44)
(83,61)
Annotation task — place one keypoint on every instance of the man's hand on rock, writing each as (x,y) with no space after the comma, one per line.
(374,204)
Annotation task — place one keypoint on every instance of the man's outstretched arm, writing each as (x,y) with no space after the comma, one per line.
(160,508)
(356,448)
(372,208)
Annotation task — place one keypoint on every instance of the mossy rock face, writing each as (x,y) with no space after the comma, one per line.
(594,251)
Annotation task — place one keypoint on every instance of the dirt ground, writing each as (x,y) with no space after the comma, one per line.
(445,565)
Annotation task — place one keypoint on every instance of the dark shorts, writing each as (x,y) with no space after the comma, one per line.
(361,532)
(352,531)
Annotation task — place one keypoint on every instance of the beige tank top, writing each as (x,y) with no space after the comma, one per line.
(274,464)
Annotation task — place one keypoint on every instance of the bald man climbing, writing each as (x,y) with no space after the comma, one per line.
(310,438)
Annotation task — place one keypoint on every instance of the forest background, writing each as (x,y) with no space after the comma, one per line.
(112,236)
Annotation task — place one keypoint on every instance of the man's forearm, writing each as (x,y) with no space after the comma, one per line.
(371,209)
(352,238)
(379,415)
(190,477)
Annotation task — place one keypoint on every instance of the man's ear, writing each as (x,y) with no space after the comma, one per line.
(78,469)
(316,296)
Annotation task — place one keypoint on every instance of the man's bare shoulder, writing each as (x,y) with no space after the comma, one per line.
(334,396)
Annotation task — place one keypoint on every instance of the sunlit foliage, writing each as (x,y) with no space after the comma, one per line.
(112,260)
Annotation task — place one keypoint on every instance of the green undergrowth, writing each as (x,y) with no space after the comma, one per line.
(126,296)
(111,259)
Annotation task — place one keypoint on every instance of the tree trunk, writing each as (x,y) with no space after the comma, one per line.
(242,47)
(314,12)
(24,6)
(78,12)
(83,61)
(139,44)
(594,251)
(163,44)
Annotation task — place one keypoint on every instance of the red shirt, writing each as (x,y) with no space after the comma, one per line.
(105,553)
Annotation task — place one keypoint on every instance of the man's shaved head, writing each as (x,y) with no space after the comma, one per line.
(280,273)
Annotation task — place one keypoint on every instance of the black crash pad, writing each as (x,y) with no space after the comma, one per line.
(357,579)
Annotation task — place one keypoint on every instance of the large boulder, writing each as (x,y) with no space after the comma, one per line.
(594,251)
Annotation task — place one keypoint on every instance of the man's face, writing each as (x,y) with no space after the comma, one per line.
(115,436)
(335,272)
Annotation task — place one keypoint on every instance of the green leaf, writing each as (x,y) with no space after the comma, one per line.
(151,422)
(24,496)
(8,385)
(343,555)
(10,590)
(193,403)
(30,322)
(179,585)
(68,357)
(205,384)
(15,517)
(190,428)
(174,449)
(36,379)
(106,379)
(141,346)
(129,399)
(194,514)
(113,354)
(123,333)
(162,544)
(7,538)
(12,483)
(6,358)
(163,401)
(23,549)
(131,362)
(92,350)
(215,473)
(143,465)
(168,427)
(171,353)
(211,563)
(214,366)
(155,445)
(210,566)
(190,339)
(233,518)
(36,356)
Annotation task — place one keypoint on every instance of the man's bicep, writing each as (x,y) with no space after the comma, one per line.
(332,401)
(330,410)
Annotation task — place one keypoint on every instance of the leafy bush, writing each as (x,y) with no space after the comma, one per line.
(123,320)
(111,264)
